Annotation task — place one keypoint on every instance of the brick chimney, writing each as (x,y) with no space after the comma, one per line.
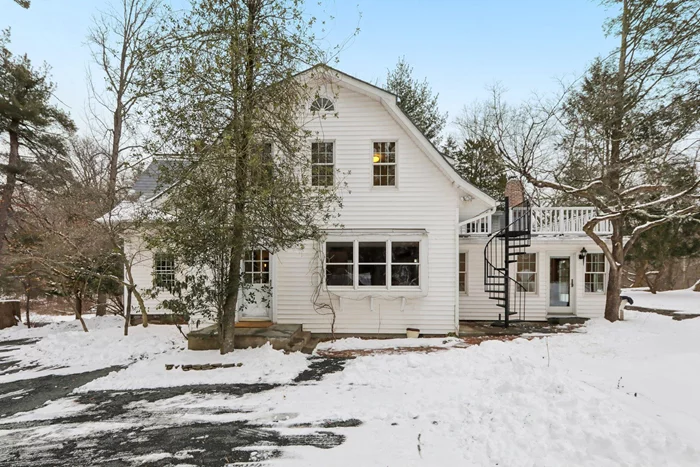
(515,192)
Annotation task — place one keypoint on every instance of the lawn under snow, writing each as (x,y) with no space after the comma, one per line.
(625,393)
(682,301)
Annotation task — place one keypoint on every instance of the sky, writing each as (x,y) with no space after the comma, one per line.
(460,46)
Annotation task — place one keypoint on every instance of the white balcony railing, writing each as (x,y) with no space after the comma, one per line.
(552,221)
(566,220)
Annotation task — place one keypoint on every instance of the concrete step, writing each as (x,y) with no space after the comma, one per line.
(298,342)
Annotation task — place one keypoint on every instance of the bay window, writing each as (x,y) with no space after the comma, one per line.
(379,264)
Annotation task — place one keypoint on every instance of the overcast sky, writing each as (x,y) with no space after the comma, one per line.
(461,46)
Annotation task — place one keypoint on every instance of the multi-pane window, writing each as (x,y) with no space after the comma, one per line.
(339,263)
(163,270)
(405,263)
(256,267)
(595,272)
(371,263)
(526,273)
(462,275)
(322,104)
(322,163)
(384,164)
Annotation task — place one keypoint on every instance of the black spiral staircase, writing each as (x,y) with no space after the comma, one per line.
(500,252)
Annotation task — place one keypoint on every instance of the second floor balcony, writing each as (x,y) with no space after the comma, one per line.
(544,221)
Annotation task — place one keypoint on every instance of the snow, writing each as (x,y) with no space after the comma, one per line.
(259,365)
(683,301)
(624,393)
(64,348)
(507,403)
(354,343)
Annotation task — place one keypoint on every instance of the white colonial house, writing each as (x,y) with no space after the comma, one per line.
(414,249)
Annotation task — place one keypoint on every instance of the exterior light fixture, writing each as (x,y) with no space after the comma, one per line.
(583,253)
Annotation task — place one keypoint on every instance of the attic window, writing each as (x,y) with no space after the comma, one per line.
(322,104)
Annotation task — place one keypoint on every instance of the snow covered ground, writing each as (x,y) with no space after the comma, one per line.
(612,394)
(683,301)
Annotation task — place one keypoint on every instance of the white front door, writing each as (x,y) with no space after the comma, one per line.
(256,289)
(560,290)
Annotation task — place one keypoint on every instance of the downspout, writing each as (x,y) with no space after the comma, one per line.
(456,273)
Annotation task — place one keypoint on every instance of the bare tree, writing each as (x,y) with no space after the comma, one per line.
(121,41)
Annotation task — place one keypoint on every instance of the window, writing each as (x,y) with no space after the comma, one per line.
(526,273)
(372,263)
(339,263)
(382,264)
(322,161)
(256,267)
(595,273)
(405,263)
(462,275)
(164,270)
(384,164)
(322,104)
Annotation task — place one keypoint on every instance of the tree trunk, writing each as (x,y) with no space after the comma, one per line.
(79,310)
(227,326)
(137,295)
(127,313)
(114,155)
(13,166)
(101,303)
(27,290)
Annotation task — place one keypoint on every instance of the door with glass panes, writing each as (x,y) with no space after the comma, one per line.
(561,285)
(256,289)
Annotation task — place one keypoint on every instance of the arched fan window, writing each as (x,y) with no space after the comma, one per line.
(322,104)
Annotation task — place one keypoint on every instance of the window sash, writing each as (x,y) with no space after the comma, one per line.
(462,273)
(397,274)
(526,271)
(594,277)
(256,267)
(322,163)
(384,163)
(163,270)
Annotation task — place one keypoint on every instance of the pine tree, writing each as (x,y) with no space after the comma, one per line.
(478,162)
(36,129)
(417,100)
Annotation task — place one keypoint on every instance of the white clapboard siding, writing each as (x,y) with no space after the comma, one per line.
(424,199)
(475,304)
(142,269)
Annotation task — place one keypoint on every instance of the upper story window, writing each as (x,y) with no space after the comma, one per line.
(384,164)
(164,270)
(526,272)
(322,104)
(322,163)
(595,273)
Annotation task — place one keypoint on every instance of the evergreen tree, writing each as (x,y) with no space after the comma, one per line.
(230,107)
(36,130)
(478,162)
(417,100)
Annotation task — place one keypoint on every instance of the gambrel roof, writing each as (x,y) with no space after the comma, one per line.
(389,101)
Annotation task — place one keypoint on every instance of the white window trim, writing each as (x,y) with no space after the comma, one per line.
(465,272)
(537,273)
(377,290)
(323,111)
(161,272)
(395,186)
(604,273)
(332,141)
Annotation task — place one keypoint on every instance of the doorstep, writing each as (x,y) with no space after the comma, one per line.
(289,337)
